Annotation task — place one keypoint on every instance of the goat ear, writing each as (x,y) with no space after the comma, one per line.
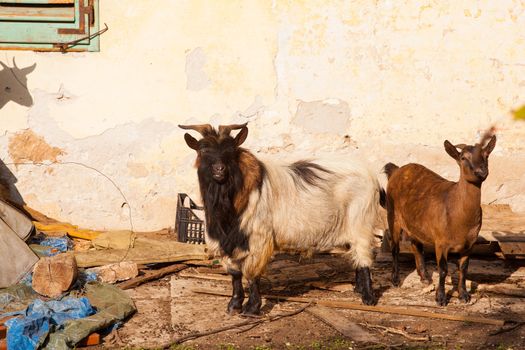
(241,136)
(490,146)
(451,150)
(191,141)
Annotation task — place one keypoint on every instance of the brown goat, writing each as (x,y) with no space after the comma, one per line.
(433,211)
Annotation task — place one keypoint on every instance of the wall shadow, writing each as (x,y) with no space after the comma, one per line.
(13,84)
(8,191)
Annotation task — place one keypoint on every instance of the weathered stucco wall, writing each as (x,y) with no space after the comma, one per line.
(389,80)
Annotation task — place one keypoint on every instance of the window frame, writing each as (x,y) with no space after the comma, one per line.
(42,25)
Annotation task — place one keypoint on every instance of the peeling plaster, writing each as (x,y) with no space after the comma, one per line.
(28,146)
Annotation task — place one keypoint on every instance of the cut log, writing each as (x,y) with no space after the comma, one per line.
(116,272)
(54,275)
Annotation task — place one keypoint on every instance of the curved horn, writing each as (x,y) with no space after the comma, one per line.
(14,63)
(224,130)
(203,129)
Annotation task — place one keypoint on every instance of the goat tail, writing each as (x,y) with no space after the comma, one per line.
(389,169)
(382,197)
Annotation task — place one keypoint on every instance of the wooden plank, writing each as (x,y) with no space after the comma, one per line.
(42,2)
(341,324)
(503,289)
(206,276)
(145,251)
(332,286)
(512,248)
(501,236)
(343,304)
(37,13)
(132,283)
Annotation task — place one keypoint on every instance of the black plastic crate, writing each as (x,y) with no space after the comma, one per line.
(190,229)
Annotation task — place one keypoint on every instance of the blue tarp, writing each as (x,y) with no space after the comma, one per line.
(62,244)
(30,331)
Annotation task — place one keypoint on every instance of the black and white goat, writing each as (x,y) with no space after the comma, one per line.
(254,207)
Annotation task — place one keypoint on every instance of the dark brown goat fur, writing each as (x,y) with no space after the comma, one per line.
(433,211)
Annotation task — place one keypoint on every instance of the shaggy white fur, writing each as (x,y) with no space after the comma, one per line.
(341,207)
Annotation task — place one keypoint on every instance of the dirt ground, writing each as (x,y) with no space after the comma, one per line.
(168,308)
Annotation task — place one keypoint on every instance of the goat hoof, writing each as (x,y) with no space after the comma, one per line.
(369,299)
(464,297)
(249,310)
(396,282)
(234,307)
(233,311)
(441,299)
(426,280)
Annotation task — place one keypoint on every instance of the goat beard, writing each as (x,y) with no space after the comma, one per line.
(222,219)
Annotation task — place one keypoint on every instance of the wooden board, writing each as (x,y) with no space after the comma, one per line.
(340,323)
(145,251)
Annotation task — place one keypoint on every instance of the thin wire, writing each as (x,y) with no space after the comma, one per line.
(126,202)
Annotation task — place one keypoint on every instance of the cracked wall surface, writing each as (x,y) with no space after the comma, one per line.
(388,81)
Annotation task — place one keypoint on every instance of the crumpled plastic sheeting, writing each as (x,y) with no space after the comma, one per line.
(27,279)
(40,318)
(43,245)
(115,240)
(84,276)
(16,297)
(62,244)
(113,305)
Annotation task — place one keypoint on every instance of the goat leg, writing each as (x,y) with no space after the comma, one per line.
(395,264)
(441,297)
(358,287)
(364,286)
(463,294)
(235,304)
(417,250)
(253,305)
(395,235)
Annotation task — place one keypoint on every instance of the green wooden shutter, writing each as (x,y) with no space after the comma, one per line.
(46,24)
